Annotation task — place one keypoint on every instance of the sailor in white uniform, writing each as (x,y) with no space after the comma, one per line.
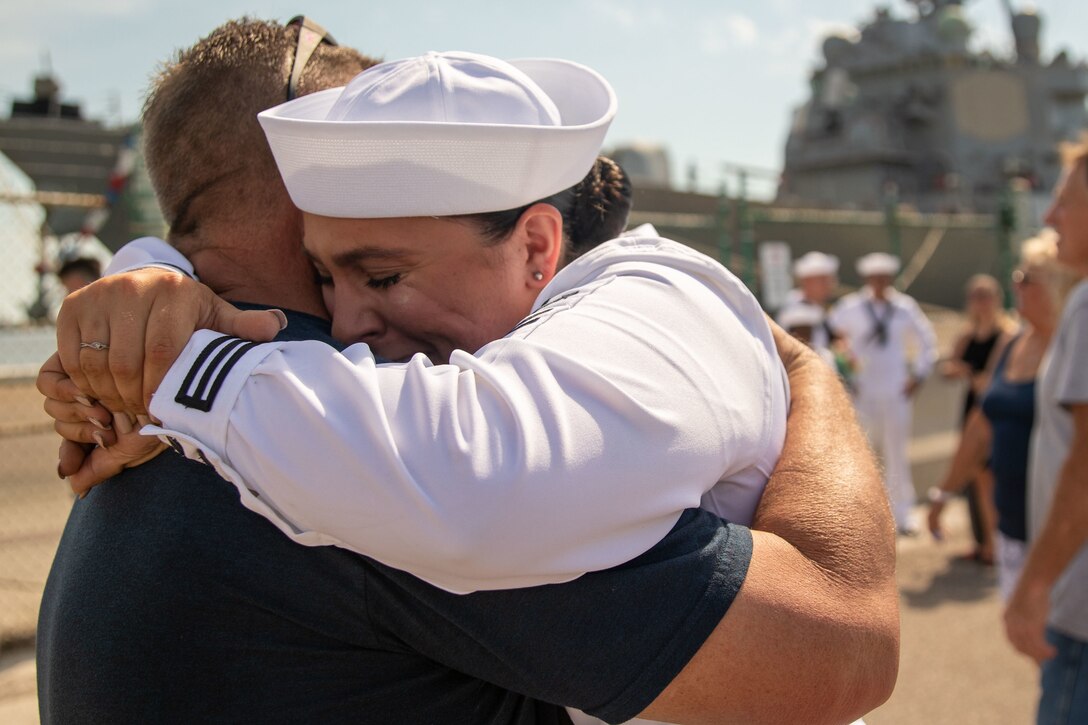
(816,275)
(643,372)
(881,324)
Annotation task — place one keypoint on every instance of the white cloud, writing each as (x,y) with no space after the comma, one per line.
(17,47)
(613,11)
(637,18)
(727,32)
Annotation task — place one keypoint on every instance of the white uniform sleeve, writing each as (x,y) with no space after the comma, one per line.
(570,446)
(149,252)
(926,338)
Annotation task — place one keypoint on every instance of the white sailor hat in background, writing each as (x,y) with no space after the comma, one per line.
(878,263)
(800,315)
(815,264)
(441,134)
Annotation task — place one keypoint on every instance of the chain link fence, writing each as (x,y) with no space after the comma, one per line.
(34,503)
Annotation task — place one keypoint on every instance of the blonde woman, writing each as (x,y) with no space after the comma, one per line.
(1000,429)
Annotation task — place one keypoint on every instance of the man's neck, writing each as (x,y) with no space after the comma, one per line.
(275,283)
(261,295)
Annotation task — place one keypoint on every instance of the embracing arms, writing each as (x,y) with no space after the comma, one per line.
(815,624)
(437,469)
(813,635)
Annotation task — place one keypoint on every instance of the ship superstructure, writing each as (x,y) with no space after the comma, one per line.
(906,110)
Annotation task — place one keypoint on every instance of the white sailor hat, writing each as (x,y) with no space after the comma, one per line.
(878,263)
(441,134)
(815,264)
(800,315)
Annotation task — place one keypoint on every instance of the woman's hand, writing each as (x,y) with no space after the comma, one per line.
(117,337)
(96,445)
(954,369)
(128,451)
(933,518)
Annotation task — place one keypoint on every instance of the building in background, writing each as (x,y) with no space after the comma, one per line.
(647,164)
(61,151)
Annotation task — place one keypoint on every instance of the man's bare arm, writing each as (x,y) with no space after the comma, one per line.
(813,635)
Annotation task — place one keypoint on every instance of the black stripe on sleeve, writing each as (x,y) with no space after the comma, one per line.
(227,352)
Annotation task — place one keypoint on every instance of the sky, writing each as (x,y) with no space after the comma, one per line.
(714,81)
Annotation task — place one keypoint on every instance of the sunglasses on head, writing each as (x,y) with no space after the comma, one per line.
(310,35)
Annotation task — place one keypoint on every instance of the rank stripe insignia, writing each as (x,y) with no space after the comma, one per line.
(202,397)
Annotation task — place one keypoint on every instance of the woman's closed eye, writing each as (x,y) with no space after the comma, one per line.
(383,282)
(326,280)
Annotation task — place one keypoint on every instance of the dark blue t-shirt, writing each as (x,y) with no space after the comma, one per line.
(168,601)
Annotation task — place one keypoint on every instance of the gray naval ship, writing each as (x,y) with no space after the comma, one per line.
(913,142)
(907,107)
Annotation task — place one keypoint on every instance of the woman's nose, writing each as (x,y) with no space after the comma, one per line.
(355,319)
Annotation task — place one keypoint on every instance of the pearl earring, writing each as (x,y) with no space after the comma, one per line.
(538,275)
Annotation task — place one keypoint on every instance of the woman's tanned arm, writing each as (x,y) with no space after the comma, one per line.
(813,635)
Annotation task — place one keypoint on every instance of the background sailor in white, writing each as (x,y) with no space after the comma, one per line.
(802,321)
(883,327)
(816,276)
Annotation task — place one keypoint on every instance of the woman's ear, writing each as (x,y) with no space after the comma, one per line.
(541,230)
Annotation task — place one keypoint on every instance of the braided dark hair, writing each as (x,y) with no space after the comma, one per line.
(594,210)
(602,204)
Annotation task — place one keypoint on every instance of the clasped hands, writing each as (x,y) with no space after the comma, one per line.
(99,394)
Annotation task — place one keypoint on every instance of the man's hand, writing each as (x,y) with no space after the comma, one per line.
(96,445)
(142,320)
(912,386)
(1025,621)
(1063,536)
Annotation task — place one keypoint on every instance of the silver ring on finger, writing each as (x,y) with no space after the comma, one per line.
(94,345)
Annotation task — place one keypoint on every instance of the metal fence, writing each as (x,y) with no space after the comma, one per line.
(34,503)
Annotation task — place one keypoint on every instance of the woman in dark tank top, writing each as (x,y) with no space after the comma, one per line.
(988,329)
